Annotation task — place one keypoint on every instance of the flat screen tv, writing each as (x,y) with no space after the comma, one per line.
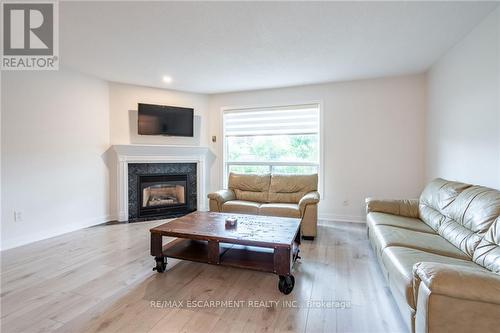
(165,120)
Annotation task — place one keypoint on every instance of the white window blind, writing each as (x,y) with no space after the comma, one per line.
(301,119)
(272,140)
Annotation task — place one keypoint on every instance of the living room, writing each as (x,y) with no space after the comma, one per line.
(250,166)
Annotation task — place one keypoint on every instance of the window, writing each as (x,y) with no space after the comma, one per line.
(282,140)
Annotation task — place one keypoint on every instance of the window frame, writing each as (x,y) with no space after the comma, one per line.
(224,166)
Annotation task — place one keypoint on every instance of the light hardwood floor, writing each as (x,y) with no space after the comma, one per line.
(100,280)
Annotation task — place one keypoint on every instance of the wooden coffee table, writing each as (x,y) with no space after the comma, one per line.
(263,243)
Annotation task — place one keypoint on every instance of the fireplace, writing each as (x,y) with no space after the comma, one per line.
(162,194)
(161,190)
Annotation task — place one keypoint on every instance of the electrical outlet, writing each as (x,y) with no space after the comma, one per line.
(18,216)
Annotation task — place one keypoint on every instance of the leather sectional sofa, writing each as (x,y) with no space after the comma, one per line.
(440,255)
(272,195)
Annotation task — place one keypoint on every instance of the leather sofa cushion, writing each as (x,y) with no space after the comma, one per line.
(251,196)
(291,188)
(487,253)
(398,262)
(280,209)
(373,219)
(387,236)
(250,187)
(399,207)
(436,198)
(469,216)
(241,206)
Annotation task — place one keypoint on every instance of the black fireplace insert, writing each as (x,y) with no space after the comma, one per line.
(162,195)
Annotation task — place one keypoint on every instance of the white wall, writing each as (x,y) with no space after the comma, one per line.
(373,137)
(55,130)
(463,123)
(123,99)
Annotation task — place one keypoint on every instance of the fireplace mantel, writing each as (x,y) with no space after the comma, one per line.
(126,154)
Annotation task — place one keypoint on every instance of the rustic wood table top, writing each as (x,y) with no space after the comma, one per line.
(254,230)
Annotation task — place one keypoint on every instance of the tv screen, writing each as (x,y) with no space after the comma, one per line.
(165,120)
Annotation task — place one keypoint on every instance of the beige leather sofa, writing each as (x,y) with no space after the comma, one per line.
(441,256)
(272,195)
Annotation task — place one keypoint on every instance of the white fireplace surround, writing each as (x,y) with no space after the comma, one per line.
(159,154)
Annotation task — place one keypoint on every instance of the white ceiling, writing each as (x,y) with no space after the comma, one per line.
(213,47)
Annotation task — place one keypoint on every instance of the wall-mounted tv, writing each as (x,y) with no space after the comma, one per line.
(165,120)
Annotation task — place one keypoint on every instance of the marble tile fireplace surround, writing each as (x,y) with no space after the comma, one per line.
(161,190)
(157,181)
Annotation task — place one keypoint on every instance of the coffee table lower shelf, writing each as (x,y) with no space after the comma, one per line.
(250,257)
(277,260)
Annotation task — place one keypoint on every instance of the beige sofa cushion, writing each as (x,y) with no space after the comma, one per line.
(487,253)
(375,218)
(469,217)
(435,200)
(387,236)
(400,207)
(280,209)
(250,187)
(241,206)
(291,188)
(399,261)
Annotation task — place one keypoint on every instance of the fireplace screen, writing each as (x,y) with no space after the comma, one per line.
(166,194)
(160,194)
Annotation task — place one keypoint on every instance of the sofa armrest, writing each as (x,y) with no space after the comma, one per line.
(454,298)
(220,197)
(310,198)
(407,208)
(457,281)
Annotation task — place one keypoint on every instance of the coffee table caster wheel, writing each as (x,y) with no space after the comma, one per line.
(161,264)
(286,284)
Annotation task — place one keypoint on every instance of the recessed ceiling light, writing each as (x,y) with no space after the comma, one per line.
(167,79)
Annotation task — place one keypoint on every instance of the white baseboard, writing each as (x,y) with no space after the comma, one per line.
(112,217)
(45,234)
(328,218)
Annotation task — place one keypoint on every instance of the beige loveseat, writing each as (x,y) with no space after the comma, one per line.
(272,195)
(441,256)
